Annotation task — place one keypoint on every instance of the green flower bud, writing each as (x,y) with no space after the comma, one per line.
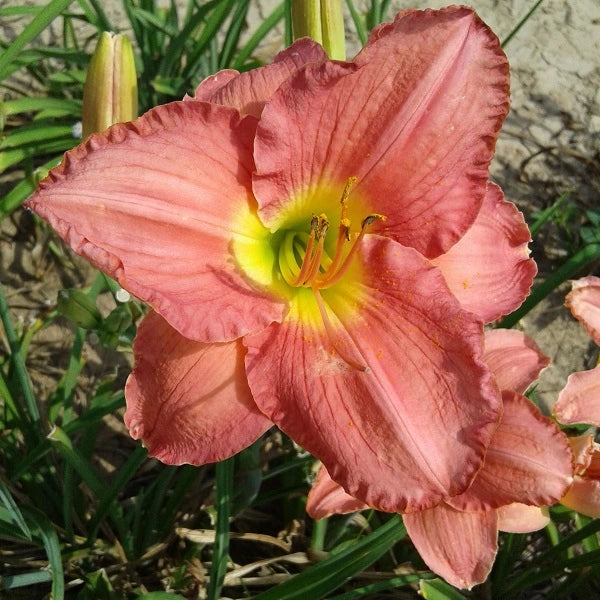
(323,21)
(110,90)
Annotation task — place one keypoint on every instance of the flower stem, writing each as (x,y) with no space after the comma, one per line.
(317,540)
(224,490)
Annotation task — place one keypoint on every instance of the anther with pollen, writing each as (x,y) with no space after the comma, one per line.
(318,271)
(310,270)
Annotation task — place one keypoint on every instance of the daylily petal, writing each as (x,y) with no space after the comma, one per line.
(412,430)
(583,448)
(415,119)
(520,518)
(158,205)
(584,302)
(326,497)
(249,91)
(459,546)
(209,86)
(189,402)
(593,469)
(584,497)
(514,359)
(489,269)
(579,400)
(528,461)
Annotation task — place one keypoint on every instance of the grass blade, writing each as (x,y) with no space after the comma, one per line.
(258,36)
(74,458)
(16,155)
(30,409)
(520,24)
(177,44)
(358,24)
(20,105)
(17,11)
(13,510)
(36,132)
(224,492)
(551,562)
(288,34)
(335,570)
(547,214)
(103,23)
(52,547)
(31,31)
(381,586)
(11,582)
(24,188)
(135,460)
(232,38)
(385,7)
(436,589)
(212,25)
(534,575)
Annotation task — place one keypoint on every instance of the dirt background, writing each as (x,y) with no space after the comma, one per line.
(550,144)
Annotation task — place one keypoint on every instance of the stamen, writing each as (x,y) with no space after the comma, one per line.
(343,230)
(328,281)
(307,260)
(343,236)
(317,269)
(331,334)
(351,181)
(315,263)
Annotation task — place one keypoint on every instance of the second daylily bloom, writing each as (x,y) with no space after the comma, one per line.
(528,464)
(579,401)
(584,495)
(302,233)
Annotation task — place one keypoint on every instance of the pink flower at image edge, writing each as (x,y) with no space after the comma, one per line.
(579,401)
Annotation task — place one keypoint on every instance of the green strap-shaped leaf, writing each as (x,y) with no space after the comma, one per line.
(436,589)
(24,188)
(258,35)
(124,474)
(224,493)
(368,591)
(19,105)
(520,24)
(52,547)
(37,25)
(326,576)
(35,133)
(13,510)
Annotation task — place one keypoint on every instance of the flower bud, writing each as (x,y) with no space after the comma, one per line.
(110,90)
(323,21)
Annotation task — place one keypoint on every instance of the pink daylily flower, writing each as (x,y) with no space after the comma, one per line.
(584,302)
(528,465)
(579,401)
(584,494)
(299,231)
